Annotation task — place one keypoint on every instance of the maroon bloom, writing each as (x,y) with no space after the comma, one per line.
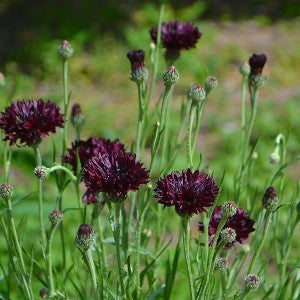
(29,121)
(115,174)
(89,148)
(136,58)
(190,192)
(177,36)
(240,222)
(257,63)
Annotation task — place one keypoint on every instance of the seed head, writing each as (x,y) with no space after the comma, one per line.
(229,209)
(270,199)
(55,217)
(245,69)
(221,264)
(6,191)
(211,82)
(77,117)
(274,158)
(85,236)
(41,172)
(228,235)
(2,80)
(65,50)
(44,293)
(251,282)
(197,93)
(170,76)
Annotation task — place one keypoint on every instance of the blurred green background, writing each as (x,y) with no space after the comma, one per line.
(102,33)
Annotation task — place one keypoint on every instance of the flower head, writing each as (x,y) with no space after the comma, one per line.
(41,172)
(30,120)
(211,82)
(55,217)
(251,282)
(77,118)
(257,63)
(170,76)
(190,192)
(138,68)
(221,264)
(270,199)
(115,174)
(177,36)
(228,235)
(6,191)
(65,49)
(89,148)
(85,236)
(229,208)
(197,93)
(240,222)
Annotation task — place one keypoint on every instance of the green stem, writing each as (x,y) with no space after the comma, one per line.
(38,160)
(161,127)
(189,136)
(62,168)
(243,105)
(186,244)
(117,236)
(205,224)
(91,267)
(49,260)
(156,54)
(103,252)
(199,115)
(66,102)
(18,249)
(139,132)
(256,254)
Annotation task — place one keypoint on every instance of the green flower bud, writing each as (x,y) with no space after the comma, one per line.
(251,282)
(228,235)
(65,50)
(41,172)
(274,158)
(55,217)
(77,118)
(6,191)
(170,76)
(270,199)
(197,93)
(221,264)
(85,236)
(229,209)
(211,82)
(256,80)
(245,69)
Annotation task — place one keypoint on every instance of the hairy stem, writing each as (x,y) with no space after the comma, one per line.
(189,136)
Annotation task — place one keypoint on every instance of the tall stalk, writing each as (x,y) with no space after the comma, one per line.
(186,244)
(189,136)
(38,160)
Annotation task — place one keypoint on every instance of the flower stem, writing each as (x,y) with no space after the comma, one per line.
(91,267)
(38,160)
(66,102)
(186,244)
(12,228)
(117,236)
(189,136)
(139,132)
(243,105)
(49,260)
(257,251)
(199,115)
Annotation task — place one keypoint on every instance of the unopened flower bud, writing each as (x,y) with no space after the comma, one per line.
(274,158)
(251,282)
(44,293)
(170,76)
(229,209)
(55,217)
(270,199)
(221,264)
(139,71)
(85,236)
(6,191)
(256,80)
(77,117)
(246,248)
(152,46)
(245,69)
(197,93)
(41,172)
(228,235)
(65,50)
(2,80)
(254,155)
(211,82)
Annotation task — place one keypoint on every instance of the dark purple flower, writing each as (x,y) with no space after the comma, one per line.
(89,148)
(177,36)
(240,222)
(190,192)
(138,68)
(30,120)
(115,174)
(257,62)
